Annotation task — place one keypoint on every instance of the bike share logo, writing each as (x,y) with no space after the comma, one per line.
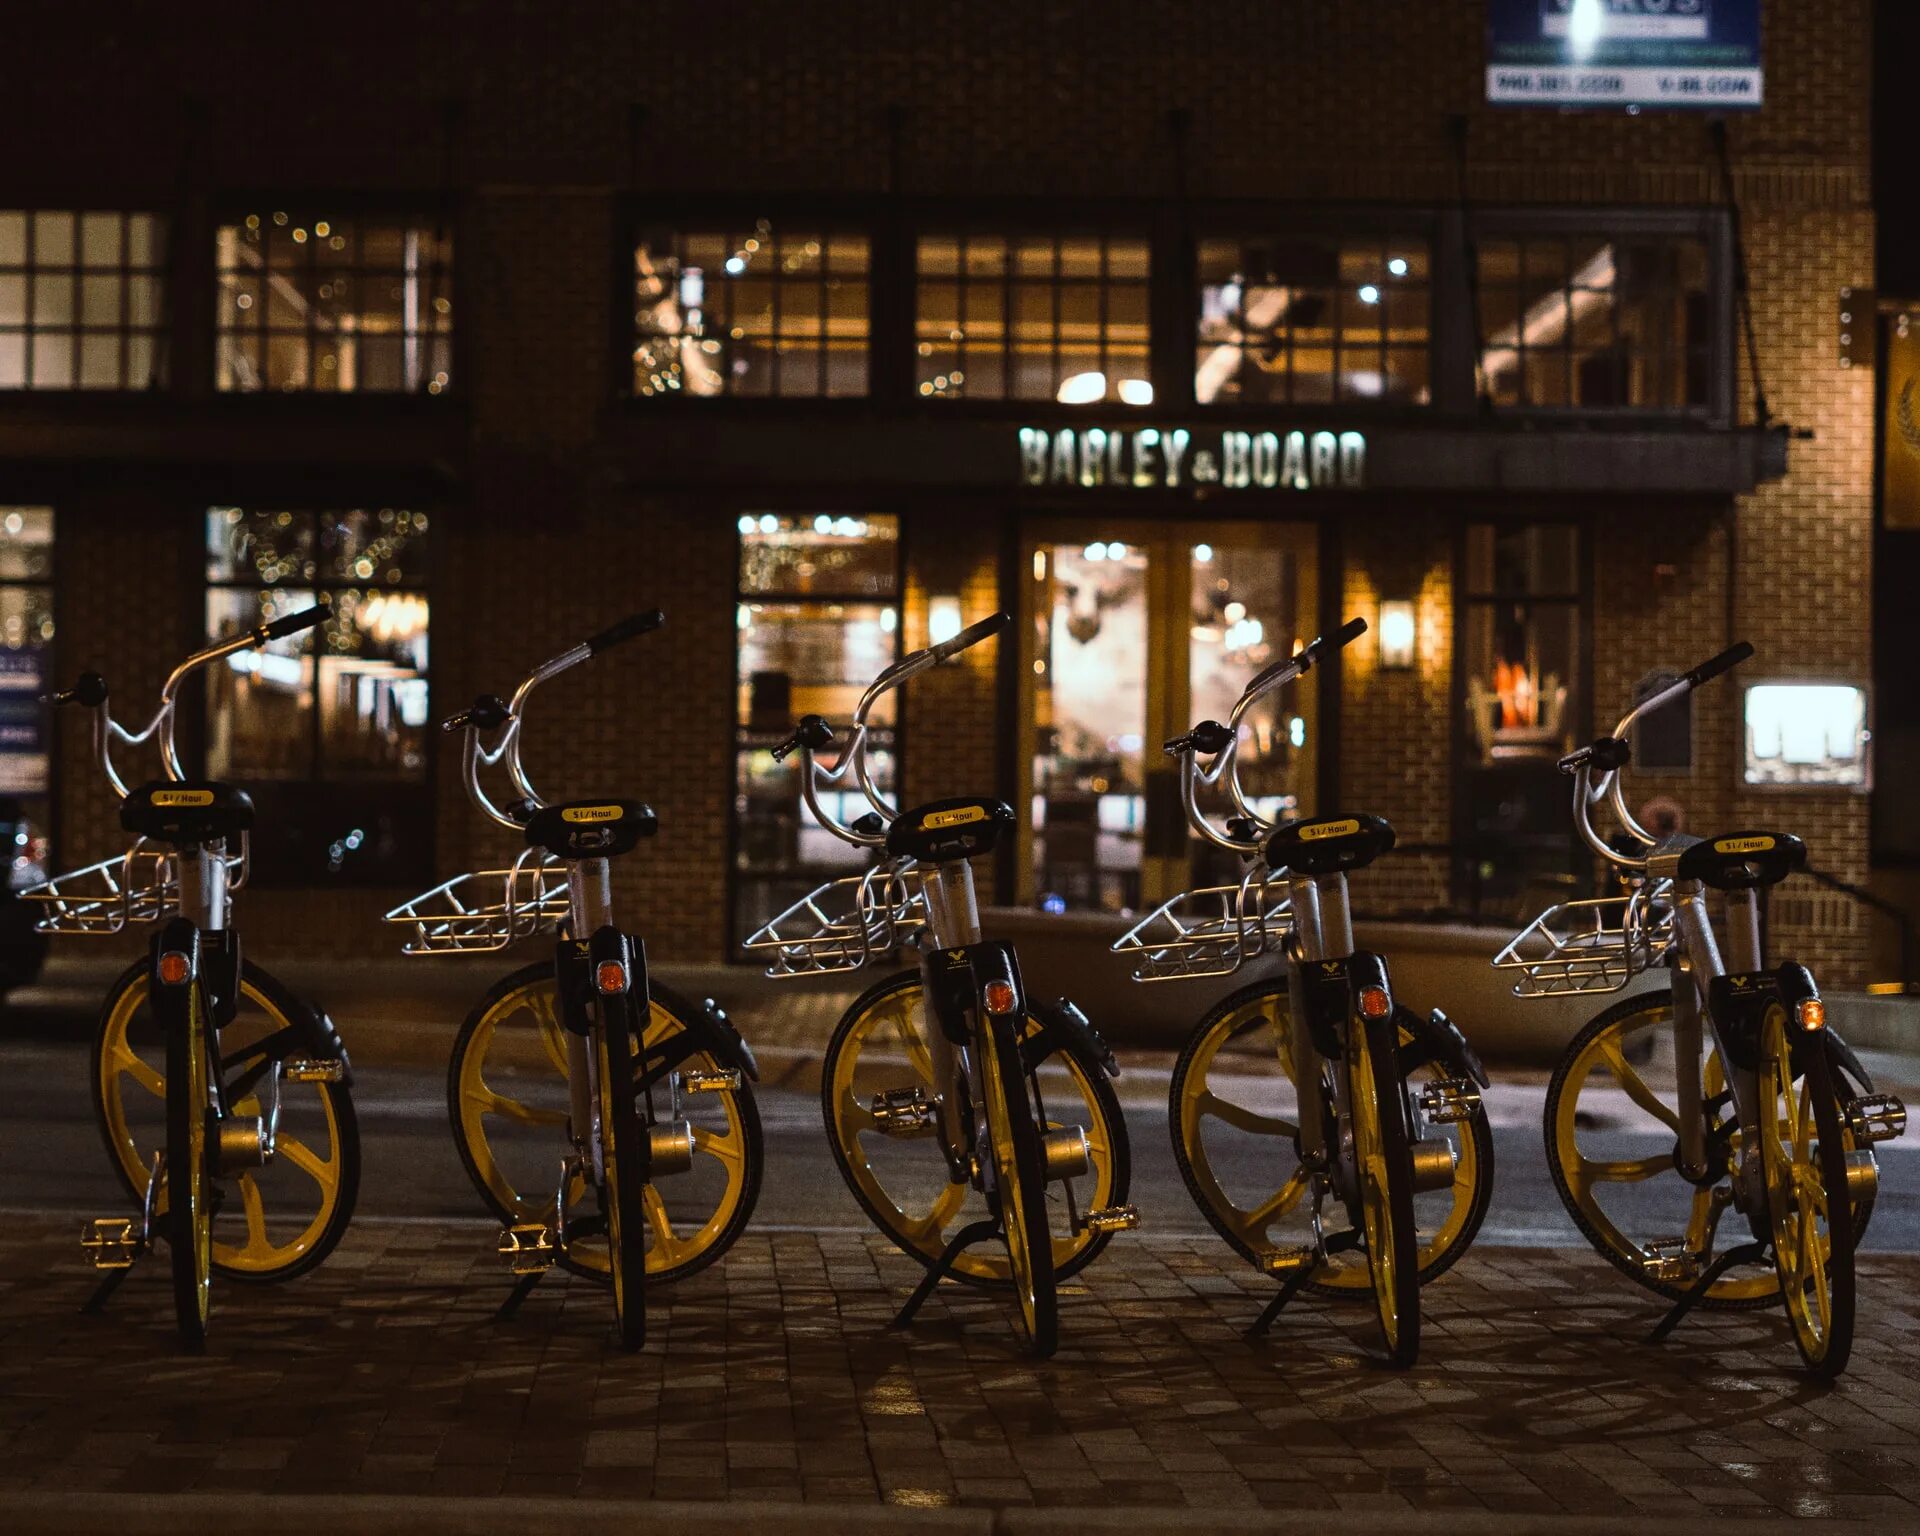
(174,798)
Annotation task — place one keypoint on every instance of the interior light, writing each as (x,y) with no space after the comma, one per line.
(769,523)
(1094,553)
(943,619)
(1297,731)
(889,621)
(1203,554)
(736,265)
(1369,294)
(1236,612)
(748,525)
(1116,551)
(1082,388)
(1398,266)
(823,524)
(1136,392)
(1584,26)
(1039,565)
(1396,634)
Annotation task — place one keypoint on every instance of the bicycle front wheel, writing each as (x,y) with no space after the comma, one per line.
(1383,1168)
(624,1172)
(189,1215)
(1804,1160)
(1020,1181)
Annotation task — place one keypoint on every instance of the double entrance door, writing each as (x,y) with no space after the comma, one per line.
(1131,632)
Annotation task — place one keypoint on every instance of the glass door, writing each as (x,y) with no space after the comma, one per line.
(1132,632)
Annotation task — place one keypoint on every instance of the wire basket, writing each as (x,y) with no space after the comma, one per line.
(1580,947)
(141,885)
(845,923)
(489,909)
(1209,932)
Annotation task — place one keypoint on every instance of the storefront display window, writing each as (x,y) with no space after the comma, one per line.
(818,619)
(758,310)
(26,653)
(330,728)
(1521,612)
(322,299)
(1596,322)
(1806,735)
(1303,321)
(80,299)
(1033,317)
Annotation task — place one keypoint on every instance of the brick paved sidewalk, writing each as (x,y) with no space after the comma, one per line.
(774,1378)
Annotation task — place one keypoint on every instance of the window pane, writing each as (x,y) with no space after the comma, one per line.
(821,552)
(26,635)
(259,702)
(260,547)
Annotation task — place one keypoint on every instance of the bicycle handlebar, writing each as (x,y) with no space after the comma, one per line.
(291,624)
(489,713)
(971,636)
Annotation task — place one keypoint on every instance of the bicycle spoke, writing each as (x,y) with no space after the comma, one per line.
(258,1245)
(488,1102)
(724,1147)
(125,1063)
(1590,1171)
(297,1152)
(1242,1118)
(1635,1085)
(913,1042)
(1277,1205)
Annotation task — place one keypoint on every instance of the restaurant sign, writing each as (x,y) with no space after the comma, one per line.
(1624,53)
(1177,458)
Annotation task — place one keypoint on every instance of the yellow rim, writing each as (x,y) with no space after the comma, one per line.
(906,1182)
(1001,1109)
(276,1229)
(1254,1039)
(196,1183)
(512,1094)
(1370,1164)
(611,1170)
(1796,1189)
(1602,1061)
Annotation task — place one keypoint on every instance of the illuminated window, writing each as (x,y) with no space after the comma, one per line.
(26,676)
(755,311)
(328,729)
(1304,321)
(80,300)
(1806,735)
(818,620)
(1033,317)
(1595,322)
(326,300)
(1522,609)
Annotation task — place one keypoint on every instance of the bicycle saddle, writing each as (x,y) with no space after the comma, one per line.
(186,811)
(1742,861)
(591,829)
(944,830)
(1329,845)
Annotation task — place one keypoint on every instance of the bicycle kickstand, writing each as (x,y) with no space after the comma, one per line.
(1755,1252)
(965,1238)
(1300,1273)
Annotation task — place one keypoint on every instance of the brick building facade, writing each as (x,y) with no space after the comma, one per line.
(545,141)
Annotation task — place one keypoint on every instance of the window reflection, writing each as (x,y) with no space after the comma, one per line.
(1033,317)
(1595,322)
(328,301)
(754,311)
(1301,321)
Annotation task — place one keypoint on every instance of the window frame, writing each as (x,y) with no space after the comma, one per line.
(437,209)
(738,734)
(164,330)
(1710,225)
(51,581)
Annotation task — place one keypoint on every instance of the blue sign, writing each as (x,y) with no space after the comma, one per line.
(1624,53)
(23,721)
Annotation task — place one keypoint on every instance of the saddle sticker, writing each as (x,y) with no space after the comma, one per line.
(1743,845)
(181,797)
(934,820)
(1324,829)
(592,813)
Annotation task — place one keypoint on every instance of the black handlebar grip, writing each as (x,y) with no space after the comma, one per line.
(1323,646)
(487,713)
(972,635)
(812,732)
(626,629)
(90,690)
(1726,661)
(1209,736)
(291,624)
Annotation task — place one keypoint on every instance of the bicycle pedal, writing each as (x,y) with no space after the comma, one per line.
(1113,1218)
(1450,1100)
(112,1242)
(902,1112)
(314,1069)
(726,1080)
(1669,1259)
(1877,1117)
(1288,1261)
(528,1248)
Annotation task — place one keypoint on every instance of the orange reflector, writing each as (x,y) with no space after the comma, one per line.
(611,977)
(999,995)
(174,968)
(1374,1003)
(1812,1013)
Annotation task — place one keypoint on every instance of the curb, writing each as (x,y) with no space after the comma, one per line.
(192,1514)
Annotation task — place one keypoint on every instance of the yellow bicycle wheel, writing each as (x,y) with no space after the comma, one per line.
(188,1220)
(288,1215)
(902,1182)
(1234,1110)
(507,1095)
(1376,1102)
(1020,1178)
(1804,1159)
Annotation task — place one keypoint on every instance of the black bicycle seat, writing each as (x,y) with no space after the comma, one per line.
(1743,861)
(591,829)
(187,811)
(1329,845)
(945,830)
